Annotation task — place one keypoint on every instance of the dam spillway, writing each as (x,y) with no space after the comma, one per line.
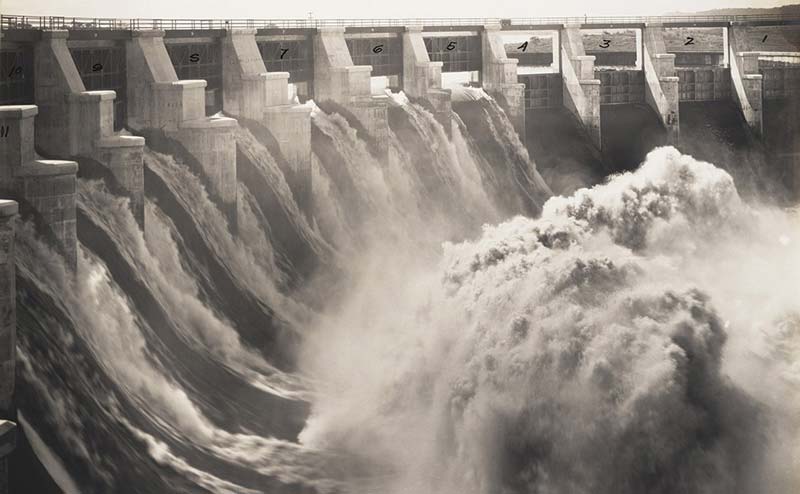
(189,197)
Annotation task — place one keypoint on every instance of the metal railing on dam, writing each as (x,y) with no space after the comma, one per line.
(8,22)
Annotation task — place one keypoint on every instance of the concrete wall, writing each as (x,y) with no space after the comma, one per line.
(157,100)
(8,320)
(336,79)
(661,81)
(8,344)
(499,77)
(746,82)
(74,122)
(581,90)
(45,188)
(8,440)
(251,92)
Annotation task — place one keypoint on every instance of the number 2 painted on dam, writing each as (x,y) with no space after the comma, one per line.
(689,41)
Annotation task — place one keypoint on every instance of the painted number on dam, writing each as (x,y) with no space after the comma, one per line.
(15,71)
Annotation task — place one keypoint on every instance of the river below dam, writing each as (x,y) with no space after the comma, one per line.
(460,316)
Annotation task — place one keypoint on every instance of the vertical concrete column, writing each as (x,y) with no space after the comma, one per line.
(661,80)
(746,81)
(156,98)
(581,89)
(158,101)
(244,75)
(499,77)
(422,79)
(249,91)
(8,441)
(57,88)
(338,81)
(8,344)
(8,305)
(77,123)
(44,188)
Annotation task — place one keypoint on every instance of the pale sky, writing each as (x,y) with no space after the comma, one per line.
(363,8)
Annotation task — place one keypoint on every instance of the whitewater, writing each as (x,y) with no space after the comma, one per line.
(439,323)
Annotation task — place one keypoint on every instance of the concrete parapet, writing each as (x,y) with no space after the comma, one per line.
(44,188)
(157,100)
(499,77)
(422,79)
(255,94)
(581,91)
(8,297)
(338,80)
(747,83)
(8,441)
(661,81)
(74,122)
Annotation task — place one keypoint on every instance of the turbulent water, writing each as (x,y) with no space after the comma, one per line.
(417,335)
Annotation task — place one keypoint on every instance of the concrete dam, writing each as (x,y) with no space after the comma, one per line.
(261,256)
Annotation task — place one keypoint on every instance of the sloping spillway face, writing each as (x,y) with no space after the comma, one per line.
(629,132)
(125,407)
(139,373)
(618,344)
(514,178)
(716,131)
(562,149)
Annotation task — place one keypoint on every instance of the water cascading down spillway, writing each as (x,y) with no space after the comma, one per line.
(368,293)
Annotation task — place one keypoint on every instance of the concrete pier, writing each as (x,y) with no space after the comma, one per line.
(499,77)
(45,189)
(8,304)
(253,93)
(8,441)
(158,101)
(75,123)
(661,80)
(580,88)
(338,80)
(422,79)
(746,81)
